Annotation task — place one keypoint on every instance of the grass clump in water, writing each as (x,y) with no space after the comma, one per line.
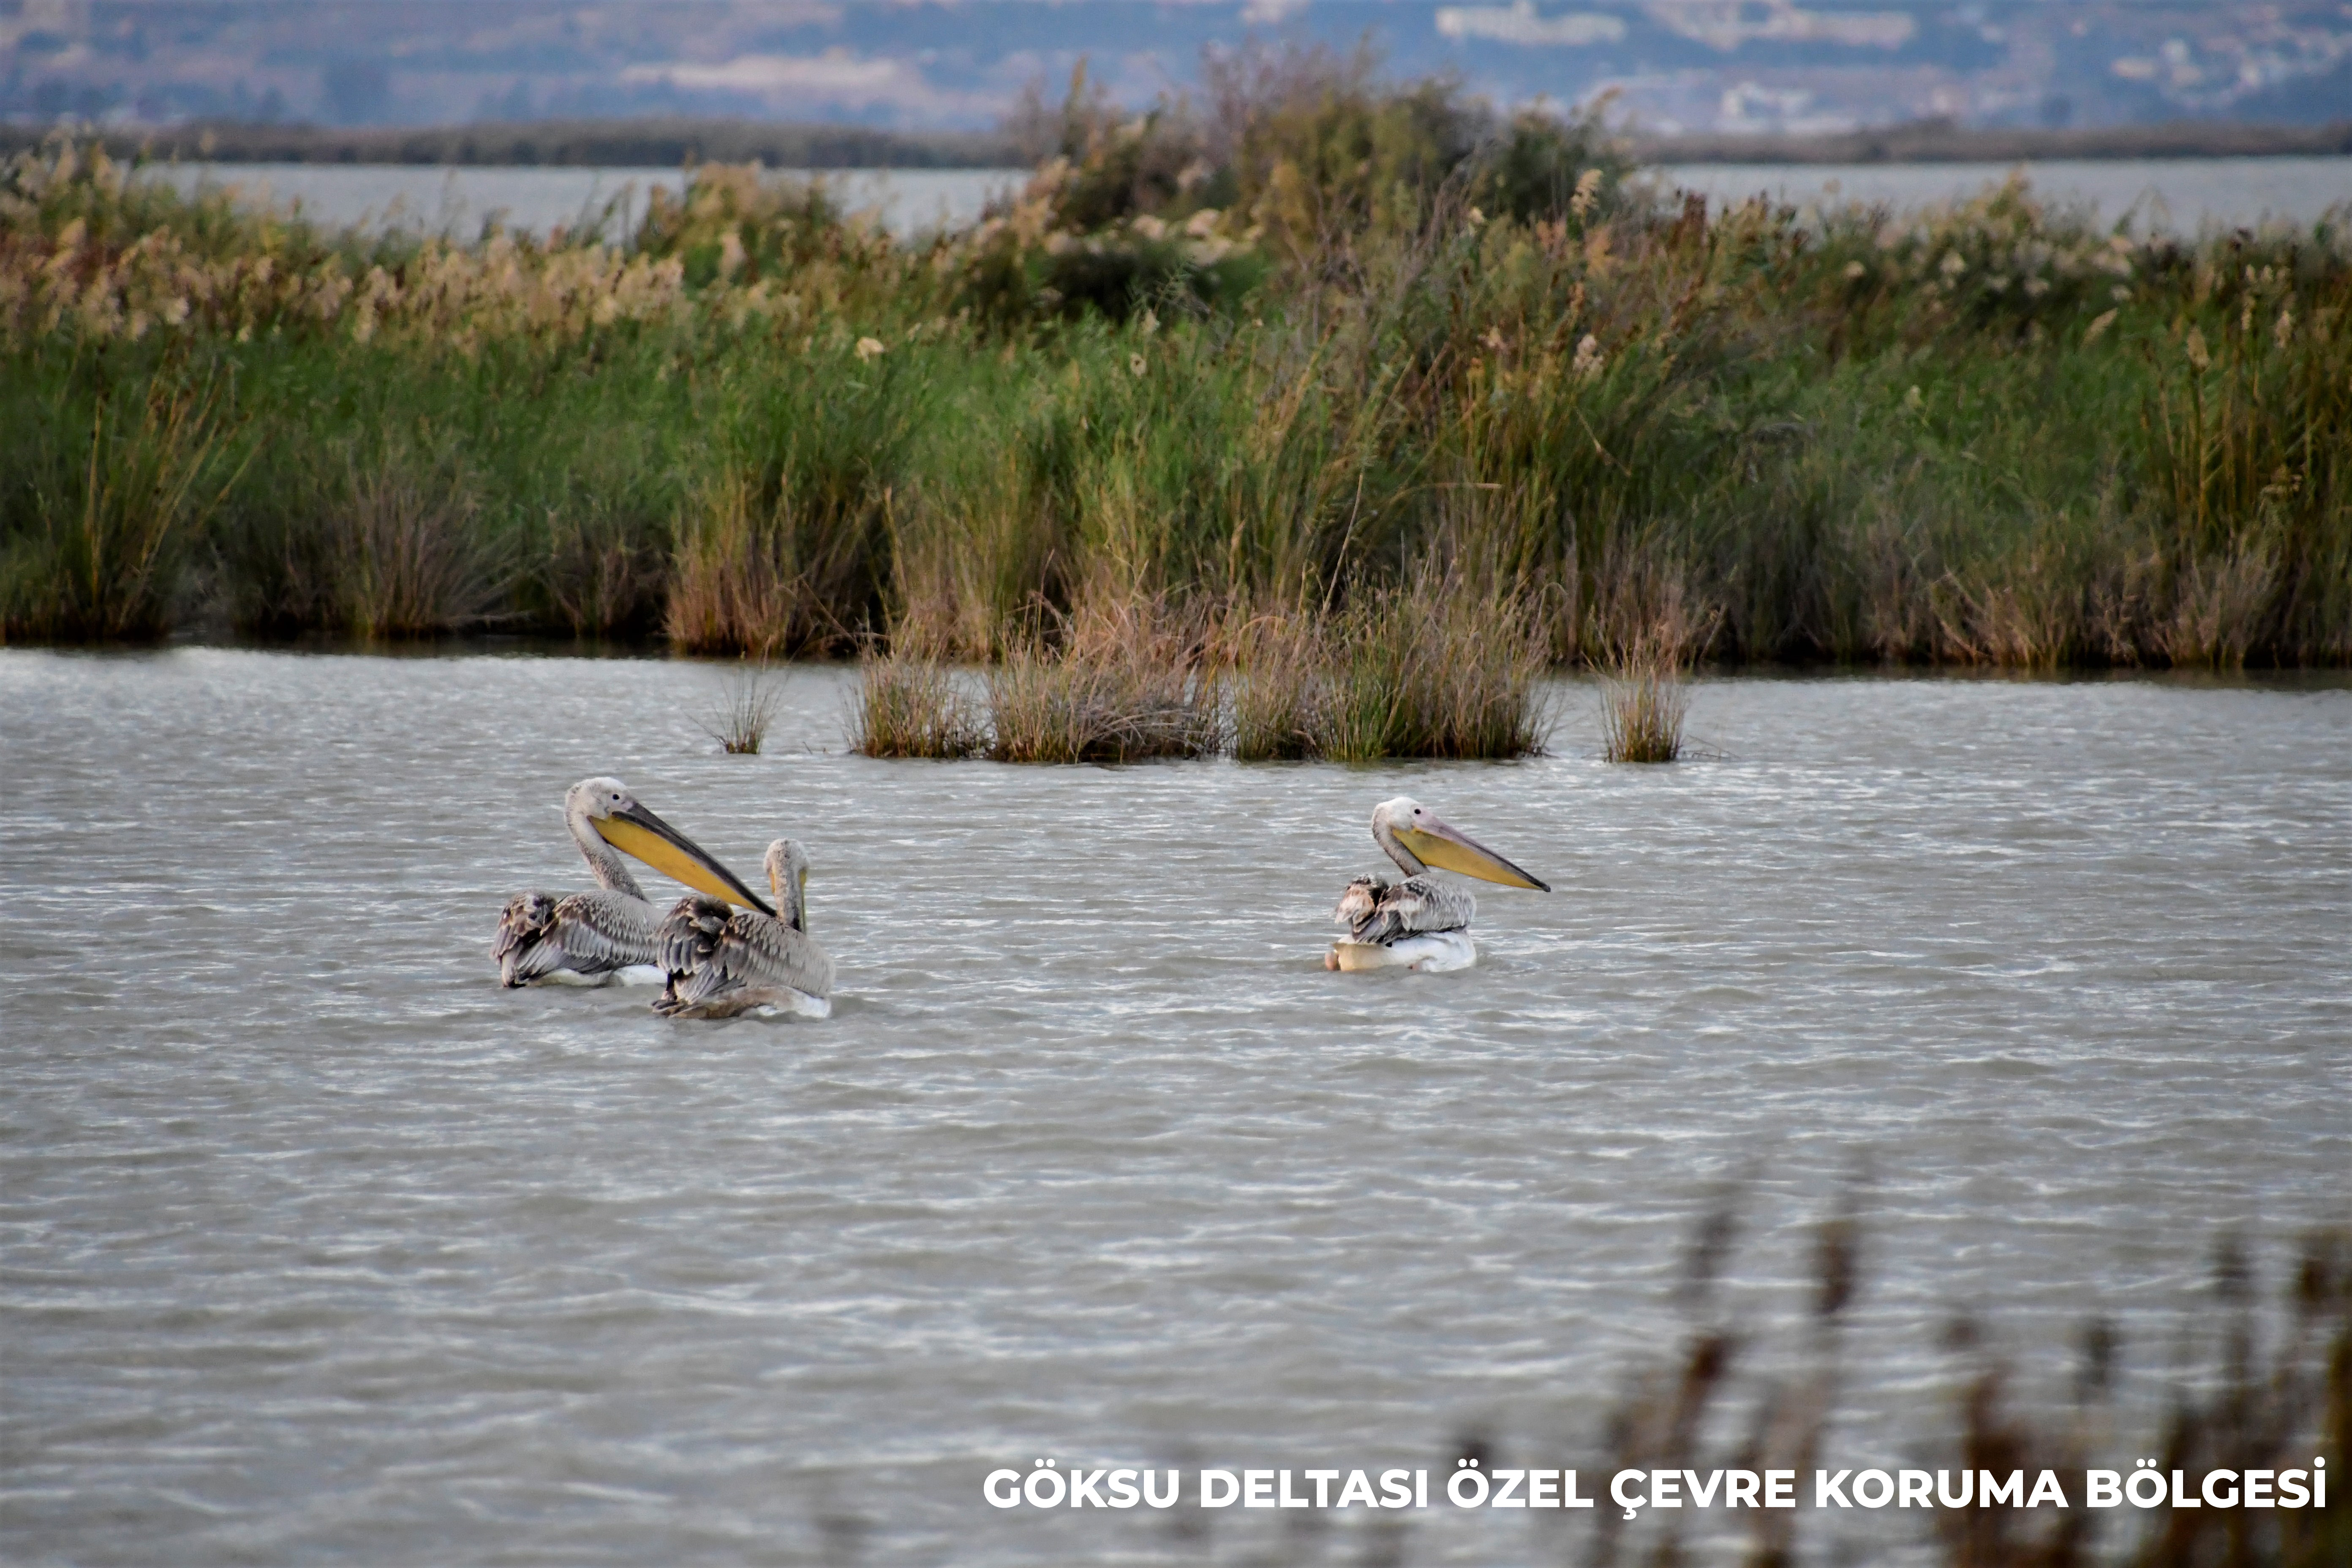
(739,720)
(909,707)
(1424,670)
(1121,685)
(1644,702)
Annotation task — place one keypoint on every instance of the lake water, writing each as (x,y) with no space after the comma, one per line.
(318,1246)
(2178,194)
(459,201)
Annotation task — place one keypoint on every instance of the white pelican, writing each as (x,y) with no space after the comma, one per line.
(1418,924)
(723,962)
(588,939)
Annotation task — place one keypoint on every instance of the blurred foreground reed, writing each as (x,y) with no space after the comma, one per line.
(2244,1387)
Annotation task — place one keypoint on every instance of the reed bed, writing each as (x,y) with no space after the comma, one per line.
(1642,704)
(1051,707)
(1284,344)
(114,516)
(1125,680)
(1404,675)
(909,707)
(1425,670)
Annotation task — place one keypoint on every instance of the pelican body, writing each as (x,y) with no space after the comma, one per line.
(1420,922)
(722,961)
(592,938)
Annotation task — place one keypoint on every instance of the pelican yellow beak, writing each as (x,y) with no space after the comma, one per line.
(1451,850)
(636,831)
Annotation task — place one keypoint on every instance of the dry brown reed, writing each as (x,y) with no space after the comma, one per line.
(745,711)
(961,568)
(1275,692)
(1119,681)
(910,707)
(1427,669)
(729,592)
(2222,604)
(2240,1399)
(766,568)
(1048,707)
(1642,703)
(600,573)
(411,563)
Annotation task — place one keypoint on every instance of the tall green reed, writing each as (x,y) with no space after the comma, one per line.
(105,525)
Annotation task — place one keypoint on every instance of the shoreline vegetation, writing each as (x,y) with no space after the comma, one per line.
(646,143)
(1333,408)
(668,142)
(1942,142)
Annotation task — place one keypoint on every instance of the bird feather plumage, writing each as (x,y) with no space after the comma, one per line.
(593,935)
(722,961)
(1375,910)
(586,938)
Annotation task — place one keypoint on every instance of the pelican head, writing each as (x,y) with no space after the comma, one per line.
(1416,839)
(788,867)
(604,807)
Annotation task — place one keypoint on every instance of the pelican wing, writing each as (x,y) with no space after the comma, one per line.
(753,957)
(586,933)
(527,920)
(1381,912)
(690,933)
(1359,903)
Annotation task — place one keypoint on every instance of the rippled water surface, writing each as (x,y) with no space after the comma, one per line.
(459,201)
(318,1245)
(2178,194)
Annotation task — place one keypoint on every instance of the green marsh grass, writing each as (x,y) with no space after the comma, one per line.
(103,529)
(1281,345)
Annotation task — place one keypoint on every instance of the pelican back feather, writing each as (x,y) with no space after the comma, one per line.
(1379,912)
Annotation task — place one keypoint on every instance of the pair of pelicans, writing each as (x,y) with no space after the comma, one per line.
(722,950)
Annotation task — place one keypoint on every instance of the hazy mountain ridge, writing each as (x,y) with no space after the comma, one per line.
(1688,65)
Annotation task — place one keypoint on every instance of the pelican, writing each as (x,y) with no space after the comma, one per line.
(1418,924)
(588,939)
(723,962)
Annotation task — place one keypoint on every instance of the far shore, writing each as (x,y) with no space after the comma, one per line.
(670,143)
